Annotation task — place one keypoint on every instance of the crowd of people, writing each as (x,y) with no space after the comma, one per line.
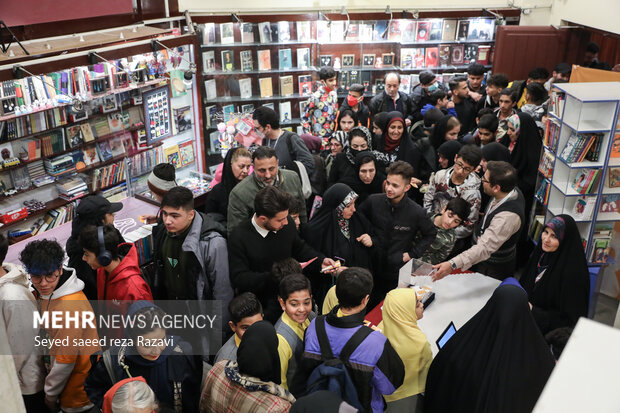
(304,234)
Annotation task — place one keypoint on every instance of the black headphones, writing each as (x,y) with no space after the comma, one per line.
(104,257)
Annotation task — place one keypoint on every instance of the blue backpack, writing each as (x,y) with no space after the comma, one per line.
(332,374)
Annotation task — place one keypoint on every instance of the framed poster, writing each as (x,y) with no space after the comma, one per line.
(157,114)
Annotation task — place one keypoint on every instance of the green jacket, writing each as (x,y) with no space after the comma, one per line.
(241,198)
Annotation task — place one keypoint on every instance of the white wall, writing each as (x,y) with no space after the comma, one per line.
(600,14)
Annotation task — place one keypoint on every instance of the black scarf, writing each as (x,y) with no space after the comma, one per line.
(257,355)
(561,296)
(526,153)
(362,189)
(497,362)
(324,231)
(228,178)
(495,151)
(449,150)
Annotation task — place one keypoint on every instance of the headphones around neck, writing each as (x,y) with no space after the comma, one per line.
(104,257)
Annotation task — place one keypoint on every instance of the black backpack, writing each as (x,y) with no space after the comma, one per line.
(332,374)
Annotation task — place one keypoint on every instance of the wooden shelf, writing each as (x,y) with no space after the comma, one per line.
(53,204)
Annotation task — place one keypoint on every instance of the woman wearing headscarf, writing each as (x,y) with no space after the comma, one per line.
(334,229)
(337,142)
(343,167)
(252,383)
(497,362)
(446,153)
(368,179)
(556,276)
(379,121)
(525,144)
(131,394)
(236,167)
(445,130)
(401,312)
(397,144)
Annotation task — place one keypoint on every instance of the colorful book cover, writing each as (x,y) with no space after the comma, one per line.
(285,112)
(182,118)
(186,152)
(74,135)
(90,155)
(418,58)
(470,55)
(394,33)
(406,58)
(172,155)
(285,59)
(176,83)
(116,146)
(484,54)
(381,27)
(228,112)
(613,177)
(431,56)
(264,60)
(481,29)
(457,54)
(609,203)
(228,61)
(353,34)
(305,85)
(104,151)
(423,31)
(444,55)
(115,121)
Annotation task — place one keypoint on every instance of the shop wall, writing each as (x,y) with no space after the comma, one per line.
(599,14)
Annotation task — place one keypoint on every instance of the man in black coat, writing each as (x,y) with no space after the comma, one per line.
(392,100)
(257,243)
(396,221)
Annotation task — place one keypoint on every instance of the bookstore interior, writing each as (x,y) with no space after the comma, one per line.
(119,100)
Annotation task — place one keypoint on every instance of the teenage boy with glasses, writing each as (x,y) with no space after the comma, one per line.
(459,181)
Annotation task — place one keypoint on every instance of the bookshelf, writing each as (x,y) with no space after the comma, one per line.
(579,170)
(48,142)
(237,56)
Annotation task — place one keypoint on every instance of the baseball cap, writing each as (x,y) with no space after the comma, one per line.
(96,205)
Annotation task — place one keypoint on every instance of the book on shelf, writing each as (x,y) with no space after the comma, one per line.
(245,88)
(552,134)
(53,142)
(264,59)
(208,60)
(614,152)
(536,227)
(580,147)
(423,31)
(583,208)
(208,33)
(264,32)
(448,33)
(600,250)
(172,155)
(227,33)
(211,115)
(104,151)
(228,111)
(609,203)
(431,57)
(303,58)
(74,135)
(353,34)
(211,88)
(366,30)
(586,181)
(481,29)
(462,29)
(284,31)
(249,108)
(322,31)
(613,177)
(484,54)
(418,58)
(285,59)
(546,163)
(408,31)
(115,121)
(406,58)
(246,61)
(90,155)
(337,31)
(247,33)
(286,85)
(59,165)
(542,194)
(71,187)
(435,30)
(380,28)
(305,85)
(116,146)
(556,103)
(228,60)
(100,126)
(394,32)
(285,112)
(303,31)
(444,55)
(186,152)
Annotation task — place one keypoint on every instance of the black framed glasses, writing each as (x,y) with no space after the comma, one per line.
(50,278)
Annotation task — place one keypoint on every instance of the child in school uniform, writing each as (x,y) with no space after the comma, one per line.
(295,298)
(244,310)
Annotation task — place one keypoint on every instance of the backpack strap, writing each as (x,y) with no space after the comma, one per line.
(107,362)
(321,335)
(354,342)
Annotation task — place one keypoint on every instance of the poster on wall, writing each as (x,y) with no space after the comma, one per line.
(157,114)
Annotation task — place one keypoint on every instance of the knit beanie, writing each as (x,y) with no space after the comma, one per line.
(162,178)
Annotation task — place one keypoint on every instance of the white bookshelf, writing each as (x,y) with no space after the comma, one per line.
(587,108)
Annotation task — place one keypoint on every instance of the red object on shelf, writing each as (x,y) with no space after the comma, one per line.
(14,215)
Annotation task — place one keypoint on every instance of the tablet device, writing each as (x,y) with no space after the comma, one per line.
(446,335)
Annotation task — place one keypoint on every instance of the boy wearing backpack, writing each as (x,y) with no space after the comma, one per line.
(295,298)
(339,348)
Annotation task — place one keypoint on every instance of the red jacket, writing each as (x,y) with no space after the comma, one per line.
(125,283)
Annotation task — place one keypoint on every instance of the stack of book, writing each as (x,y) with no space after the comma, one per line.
(580,147)
(37,173)
(143,240)
(552,134)
(59,165)
(108,175)
(71,188)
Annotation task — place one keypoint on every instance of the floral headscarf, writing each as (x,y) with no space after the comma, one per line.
(343,223)
(515,122)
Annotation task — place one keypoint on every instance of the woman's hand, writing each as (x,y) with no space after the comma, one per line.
(365,240)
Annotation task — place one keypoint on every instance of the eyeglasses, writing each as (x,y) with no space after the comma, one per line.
(461,166)
(50,278)
(484,180)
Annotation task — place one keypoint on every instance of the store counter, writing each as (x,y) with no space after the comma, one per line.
(458,297)
(126,220)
